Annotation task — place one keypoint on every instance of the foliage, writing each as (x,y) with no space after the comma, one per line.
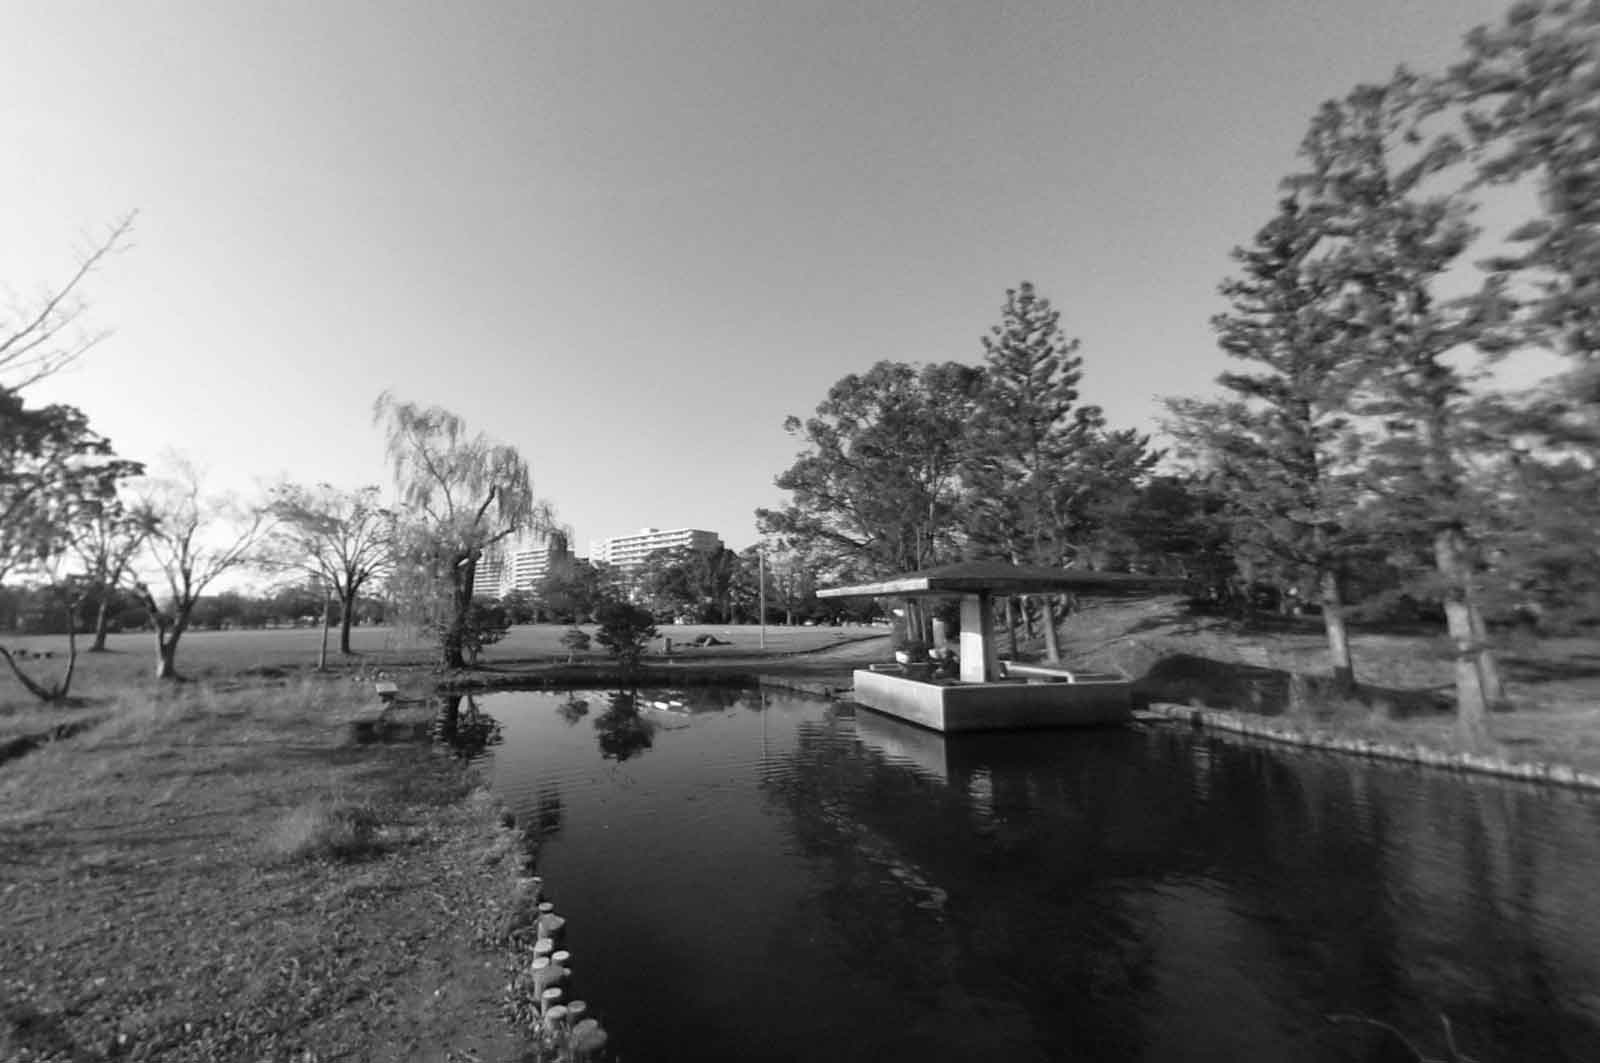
(878,486)
(521,608)
(576,640)
(572,588)
(1041,467)
(1526,93)
(1280,450)
(460,494)
(485,623)
(625,631)
(57,478)
(698,584)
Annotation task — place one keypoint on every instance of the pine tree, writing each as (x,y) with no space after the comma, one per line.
(1041,465)
(1278,447)
(1390,245)
(1529,96)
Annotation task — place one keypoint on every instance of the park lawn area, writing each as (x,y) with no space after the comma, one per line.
(1405,695)
(235,874)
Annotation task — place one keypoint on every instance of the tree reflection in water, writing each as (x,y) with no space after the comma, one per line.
(903,855)
(573,709)
(464,727)
(623,732)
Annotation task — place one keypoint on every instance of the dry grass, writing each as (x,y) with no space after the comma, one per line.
(1404,697)
(226,874)
(326,829)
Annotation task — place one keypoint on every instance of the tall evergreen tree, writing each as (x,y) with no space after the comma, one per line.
(1529,94)
(1279,447)
(1041,467)
(1390,244)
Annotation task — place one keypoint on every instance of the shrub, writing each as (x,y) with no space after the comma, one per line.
(625,630)
(576,640)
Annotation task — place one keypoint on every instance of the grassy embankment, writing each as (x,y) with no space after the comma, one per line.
(235,869)
(1405,694)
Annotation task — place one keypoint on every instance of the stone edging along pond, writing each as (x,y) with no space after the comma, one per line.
(1263,727)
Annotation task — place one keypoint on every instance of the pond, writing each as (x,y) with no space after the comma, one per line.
(754,875)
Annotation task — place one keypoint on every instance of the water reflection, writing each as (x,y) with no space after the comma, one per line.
(573,708)
(464,727)
(1107,895)
(624,732)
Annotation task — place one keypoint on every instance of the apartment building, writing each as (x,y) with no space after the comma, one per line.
(630,551)
(518,564)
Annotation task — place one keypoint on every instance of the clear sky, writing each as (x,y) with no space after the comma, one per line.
(630,236)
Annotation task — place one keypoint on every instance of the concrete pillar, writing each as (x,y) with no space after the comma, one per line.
(979,661)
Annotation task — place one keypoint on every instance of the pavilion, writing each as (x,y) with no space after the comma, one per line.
(990,694)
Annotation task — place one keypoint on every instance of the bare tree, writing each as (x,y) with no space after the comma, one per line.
(106,543)
(345,538)
(40,336)
(195,538)
(460,494)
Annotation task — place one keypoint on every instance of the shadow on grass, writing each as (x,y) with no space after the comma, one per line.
(1525,669)
(1189,679)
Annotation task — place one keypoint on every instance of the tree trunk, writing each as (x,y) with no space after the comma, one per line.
(327,624)
(1052,642)
(1472,702)
(1027,617)
(1344,673)
(1494,689)
(166,656)
(102,623)
(347,610)
(1011,623)
(454,640)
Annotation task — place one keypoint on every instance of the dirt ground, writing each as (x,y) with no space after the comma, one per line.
(246,874)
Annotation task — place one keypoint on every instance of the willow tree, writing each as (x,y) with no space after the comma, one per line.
(460,493)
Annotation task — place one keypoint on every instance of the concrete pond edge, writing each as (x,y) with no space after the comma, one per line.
(1411,753)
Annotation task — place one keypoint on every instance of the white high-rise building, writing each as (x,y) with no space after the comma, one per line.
(630,551)
(518,564)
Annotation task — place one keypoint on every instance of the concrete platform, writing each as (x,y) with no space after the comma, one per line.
(951,706)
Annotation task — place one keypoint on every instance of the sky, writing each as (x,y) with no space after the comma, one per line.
(629,237)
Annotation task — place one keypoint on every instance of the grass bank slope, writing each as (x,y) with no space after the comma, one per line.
(242,874)
(1405,693)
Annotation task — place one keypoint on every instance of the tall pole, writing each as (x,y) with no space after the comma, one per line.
(327,622)
(761,592)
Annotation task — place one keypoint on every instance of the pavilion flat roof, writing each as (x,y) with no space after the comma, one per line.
(1001,577)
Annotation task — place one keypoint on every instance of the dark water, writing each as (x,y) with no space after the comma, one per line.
(768,877)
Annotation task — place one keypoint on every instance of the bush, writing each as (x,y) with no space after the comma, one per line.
(625,630)
(576,640)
